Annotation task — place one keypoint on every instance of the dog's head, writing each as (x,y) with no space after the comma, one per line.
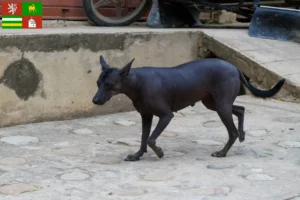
(110,81)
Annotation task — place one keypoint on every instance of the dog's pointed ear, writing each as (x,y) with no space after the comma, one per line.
(125,70)
(103,63)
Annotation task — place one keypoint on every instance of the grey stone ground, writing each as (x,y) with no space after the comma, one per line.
(83,159)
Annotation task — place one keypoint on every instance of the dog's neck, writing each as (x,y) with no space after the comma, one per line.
(130,87)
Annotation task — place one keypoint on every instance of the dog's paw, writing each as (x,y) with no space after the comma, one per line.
(242,136)
(219,154)
(159,152)
(133,157)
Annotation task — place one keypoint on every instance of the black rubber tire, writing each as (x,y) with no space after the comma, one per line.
(99,22)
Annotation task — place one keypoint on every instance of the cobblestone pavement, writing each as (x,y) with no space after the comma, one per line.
(83,159)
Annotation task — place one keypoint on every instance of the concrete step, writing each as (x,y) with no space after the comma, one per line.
(264,61)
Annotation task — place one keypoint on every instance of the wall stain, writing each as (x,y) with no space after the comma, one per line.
(22,77)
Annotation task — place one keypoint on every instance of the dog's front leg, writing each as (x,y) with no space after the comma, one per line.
(146,126)
(162,124)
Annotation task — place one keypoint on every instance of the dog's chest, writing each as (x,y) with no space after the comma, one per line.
(141,107)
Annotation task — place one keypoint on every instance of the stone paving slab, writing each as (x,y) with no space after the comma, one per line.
(83,159)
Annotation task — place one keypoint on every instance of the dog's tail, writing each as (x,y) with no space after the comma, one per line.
(261,93)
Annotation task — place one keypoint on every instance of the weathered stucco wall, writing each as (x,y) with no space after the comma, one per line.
(53,77)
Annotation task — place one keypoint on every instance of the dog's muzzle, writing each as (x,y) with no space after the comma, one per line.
(97,101)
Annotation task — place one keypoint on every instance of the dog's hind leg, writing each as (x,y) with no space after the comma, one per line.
(239,112)
(224,95)
(236,110)
(225,113)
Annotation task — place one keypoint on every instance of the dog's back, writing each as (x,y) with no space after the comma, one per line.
(184,84)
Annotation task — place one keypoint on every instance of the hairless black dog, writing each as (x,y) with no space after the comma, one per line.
(161,91)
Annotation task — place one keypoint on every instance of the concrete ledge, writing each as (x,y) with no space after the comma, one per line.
(53,76)
(260,75)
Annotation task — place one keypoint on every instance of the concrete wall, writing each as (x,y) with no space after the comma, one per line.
(53,77)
